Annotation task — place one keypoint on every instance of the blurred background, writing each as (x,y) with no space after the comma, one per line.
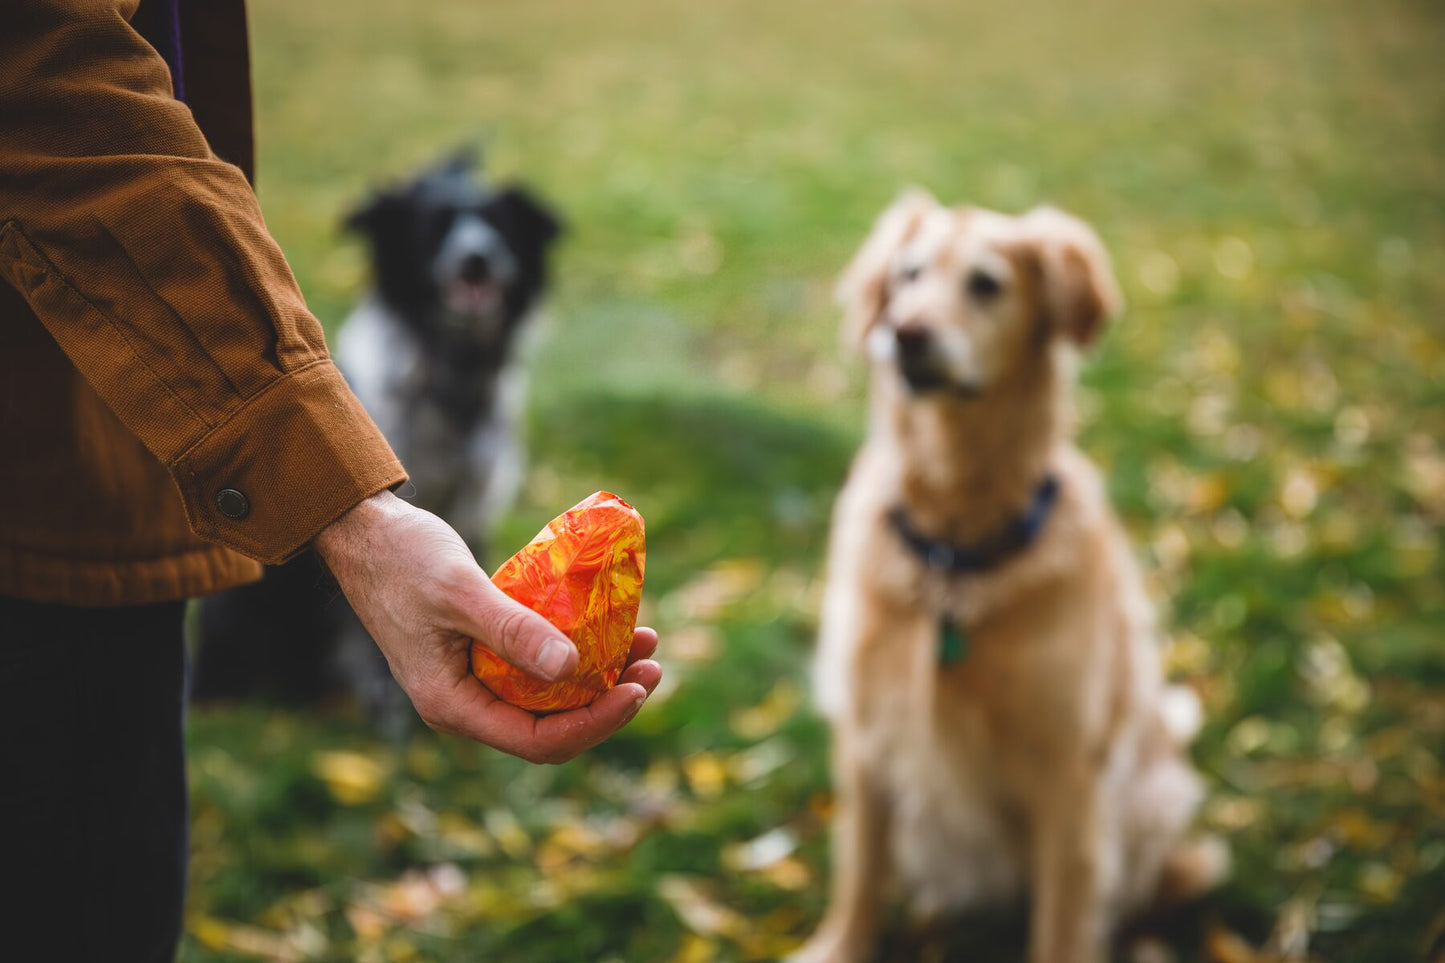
(1271,180)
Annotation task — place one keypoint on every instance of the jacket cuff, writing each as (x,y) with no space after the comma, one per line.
(293,459)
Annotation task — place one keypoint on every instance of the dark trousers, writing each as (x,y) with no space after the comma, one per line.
(93,834)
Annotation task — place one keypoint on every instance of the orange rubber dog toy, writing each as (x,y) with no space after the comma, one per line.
(584,573)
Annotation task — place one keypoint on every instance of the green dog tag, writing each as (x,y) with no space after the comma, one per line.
(952,643)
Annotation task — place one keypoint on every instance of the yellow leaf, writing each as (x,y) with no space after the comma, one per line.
(695,949)
(245,940)
(572,843)
(577,837)
(509,834)
(789,873)
(1379,882)
(1188,655)
(697,908)
(463,836)
(351,777)
(1225,946)
(763,719)
(1207,493)
(208,931)
(705,774)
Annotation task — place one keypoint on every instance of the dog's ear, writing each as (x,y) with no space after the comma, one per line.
(533,223)
(1080,292)
(863,288)
(376,215)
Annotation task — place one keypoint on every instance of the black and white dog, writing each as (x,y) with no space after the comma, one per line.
(432,353)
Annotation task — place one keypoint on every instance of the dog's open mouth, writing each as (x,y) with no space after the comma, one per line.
(473,298)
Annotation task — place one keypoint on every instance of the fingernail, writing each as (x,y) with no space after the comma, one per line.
(552,659)
(636,705)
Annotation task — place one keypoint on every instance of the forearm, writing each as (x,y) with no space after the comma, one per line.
(147,260)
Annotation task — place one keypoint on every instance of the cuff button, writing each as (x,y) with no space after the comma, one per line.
(233,504)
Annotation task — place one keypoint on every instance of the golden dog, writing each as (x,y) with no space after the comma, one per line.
(988,658)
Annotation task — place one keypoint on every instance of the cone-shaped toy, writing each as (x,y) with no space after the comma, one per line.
(584,573)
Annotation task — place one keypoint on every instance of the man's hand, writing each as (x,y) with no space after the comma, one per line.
(423,598)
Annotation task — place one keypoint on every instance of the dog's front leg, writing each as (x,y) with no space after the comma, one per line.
(860,870)
(1068,922)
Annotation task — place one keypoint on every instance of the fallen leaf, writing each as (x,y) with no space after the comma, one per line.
(698,909)
(350,777)
(705,774)
(762,720)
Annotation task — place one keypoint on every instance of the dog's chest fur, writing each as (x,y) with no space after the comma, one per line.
(936,760)
(449,410)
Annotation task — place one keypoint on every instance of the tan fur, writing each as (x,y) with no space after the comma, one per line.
(1049,763)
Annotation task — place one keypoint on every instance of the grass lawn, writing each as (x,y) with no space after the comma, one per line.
(1270,412)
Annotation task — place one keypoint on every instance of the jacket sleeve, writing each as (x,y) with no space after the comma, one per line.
(146,258)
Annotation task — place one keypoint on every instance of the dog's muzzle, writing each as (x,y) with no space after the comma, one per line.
(921,363)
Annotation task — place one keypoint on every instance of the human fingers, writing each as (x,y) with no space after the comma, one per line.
(644,643)
(565,734)
(521,637)
(473,712)
(645,673)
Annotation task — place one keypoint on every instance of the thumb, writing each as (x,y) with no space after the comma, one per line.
(521,637)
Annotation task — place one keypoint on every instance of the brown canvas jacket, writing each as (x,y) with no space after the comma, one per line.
(155,351)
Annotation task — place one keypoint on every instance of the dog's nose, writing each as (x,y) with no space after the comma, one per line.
(913,340)
(475,268)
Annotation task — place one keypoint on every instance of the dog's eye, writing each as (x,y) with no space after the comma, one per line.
(983,286)
(439,222)
(909,274)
